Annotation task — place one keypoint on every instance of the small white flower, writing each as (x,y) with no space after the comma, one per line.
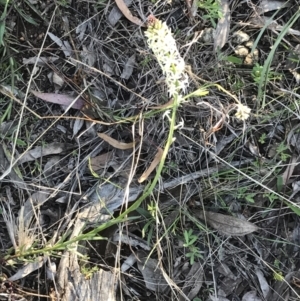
(163,45)
(166,114)
(180,125)
(243,112)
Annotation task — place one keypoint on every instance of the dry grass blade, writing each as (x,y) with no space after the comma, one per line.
(21,233)
(126,12)
(227,225)
(152,166)
(115,143)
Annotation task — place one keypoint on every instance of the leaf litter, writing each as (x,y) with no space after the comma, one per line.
(56,184)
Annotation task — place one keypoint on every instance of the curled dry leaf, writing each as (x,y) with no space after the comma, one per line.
(226,224)
(126,12)
(152,166)
(115,143)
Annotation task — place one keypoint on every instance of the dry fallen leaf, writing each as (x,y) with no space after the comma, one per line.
(126,12)
(193,282)
(267,5)
(152,166)
(48,149)
(294,161)
(128,68)
(101,161)
(28,268)
(115,143)
(251,296)
(152,274)
(41,61)
(64,45)
(115,14)
(60,99)
(226,224)
(264,286)
(222,30)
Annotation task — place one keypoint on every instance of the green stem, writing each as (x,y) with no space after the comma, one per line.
(122,217)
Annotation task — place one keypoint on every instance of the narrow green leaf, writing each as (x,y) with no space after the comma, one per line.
(294,208)
(279,183)
(2,31)
(233,59)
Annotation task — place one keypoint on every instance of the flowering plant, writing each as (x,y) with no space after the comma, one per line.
(163,45)
(243,112)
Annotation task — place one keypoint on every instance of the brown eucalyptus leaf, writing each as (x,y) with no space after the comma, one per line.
(127,13)
(152,166)
(227,225)
(115,143)
(62,99)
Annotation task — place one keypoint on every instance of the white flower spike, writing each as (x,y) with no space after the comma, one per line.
(163,45)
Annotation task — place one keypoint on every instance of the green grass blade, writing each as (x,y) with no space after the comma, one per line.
(267,64)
